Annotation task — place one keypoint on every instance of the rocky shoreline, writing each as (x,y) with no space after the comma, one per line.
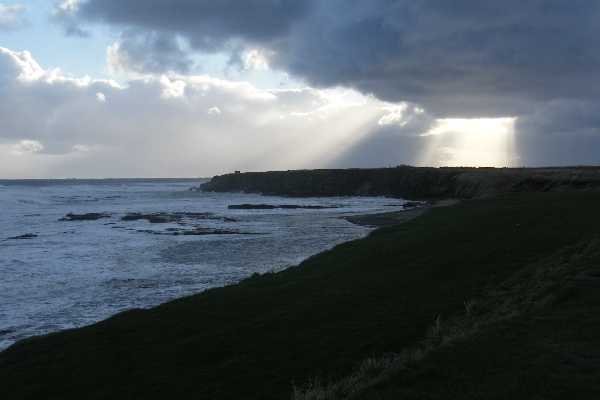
(412,209)
(186,222)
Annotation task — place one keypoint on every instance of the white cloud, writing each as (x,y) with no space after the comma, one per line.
(214,111)
(168,120)
(172,88)
(11,16)
(394,115)
(27,146)
(402,114)
(81,148)
(255,59)
(69,6)
(28,69)
(114,60)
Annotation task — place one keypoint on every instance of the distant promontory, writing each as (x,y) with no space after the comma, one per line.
(408,182)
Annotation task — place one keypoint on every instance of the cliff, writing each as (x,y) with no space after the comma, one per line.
(408,182)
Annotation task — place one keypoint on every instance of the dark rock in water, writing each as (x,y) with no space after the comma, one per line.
(163,217)
(134,217)
(21,237)
(273,206)
(155,218)
(194,215)
(207,231)
(84,217)
(295,206)
(251,207)
(412,204)
(191,232)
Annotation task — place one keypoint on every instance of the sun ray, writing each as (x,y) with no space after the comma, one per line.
(474,142)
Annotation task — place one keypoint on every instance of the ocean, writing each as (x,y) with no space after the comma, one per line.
(58,273)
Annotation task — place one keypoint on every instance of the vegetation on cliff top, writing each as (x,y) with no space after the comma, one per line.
(362,300)
(409,182)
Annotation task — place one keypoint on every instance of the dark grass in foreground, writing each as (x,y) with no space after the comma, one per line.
(363,299)
(534,334)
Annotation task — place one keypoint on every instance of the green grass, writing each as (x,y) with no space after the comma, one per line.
(551,295)
(361,300)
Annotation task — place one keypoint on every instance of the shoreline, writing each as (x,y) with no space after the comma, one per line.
(160,222)
(392,218)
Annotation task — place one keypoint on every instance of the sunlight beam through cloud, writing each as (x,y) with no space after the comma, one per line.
(473,142)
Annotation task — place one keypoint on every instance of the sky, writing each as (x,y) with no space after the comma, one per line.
(194,88)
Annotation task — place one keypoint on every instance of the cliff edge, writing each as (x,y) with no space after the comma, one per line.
(408,182)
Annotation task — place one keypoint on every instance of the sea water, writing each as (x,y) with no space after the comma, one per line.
(73,273)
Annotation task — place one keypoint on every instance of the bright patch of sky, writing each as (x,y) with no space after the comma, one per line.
(75,56)
(87,56)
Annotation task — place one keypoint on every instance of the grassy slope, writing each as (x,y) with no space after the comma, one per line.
(363,298)
(552,355)
(533,335)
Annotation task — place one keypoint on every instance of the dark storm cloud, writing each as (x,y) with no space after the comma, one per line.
(152,52)
(537,60)
(207,24)
(560,132)
(462,57)
(383,147)
(65,15)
